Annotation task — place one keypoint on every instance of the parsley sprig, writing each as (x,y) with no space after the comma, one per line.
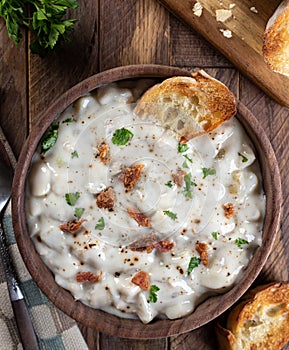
(49,138)
(72,198)
(187,191)
(194,262)
(100,224)
(153,297)
(208,171)
(121,136)
(46,23)
(170,214)
(240,242)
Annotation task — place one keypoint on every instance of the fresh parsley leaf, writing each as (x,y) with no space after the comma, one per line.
(185,165)
(153,297)
(194,262)
(122,136)
(74,154)
(240,241)
(49,138)
(244,158)
(182,147)
(187,191)
(78,212)
(71,198)
(44,18)
(188,158)
(170,214)
(100,224)
(208,171)
(68,120)
(214,235)
(169,184)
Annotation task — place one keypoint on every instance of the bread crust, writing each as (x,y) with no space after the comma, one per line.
(190,106)
(276,40)
(259,321)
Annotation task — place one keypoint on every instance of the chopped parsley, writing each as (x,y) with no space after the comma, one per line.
(49,138)
(71,198)
(153,297)
(68,120)
(188,158)
(208,171)
(240,241)
(78,212)
(187,191)
(182,147)
(244,158)
(185,165)
(74,154)
(169,184)
(100,224)
(194,262)
(214,235)
(121,136)
(170,214)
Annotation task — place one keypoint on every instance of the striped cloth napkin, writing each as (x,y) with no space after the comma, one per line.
(54,329)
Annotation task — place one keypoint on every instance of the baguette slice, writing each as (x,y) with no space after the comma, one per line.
(276,40)
(190,106)
(260,321)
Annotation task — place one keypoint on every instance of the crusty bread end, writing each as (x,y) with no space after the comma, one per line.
(276,40)
(260,321)
(190,106)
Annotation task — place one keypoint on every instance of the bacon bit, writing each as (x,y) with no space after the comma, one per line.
(139,217)
(87,276)
(144,243)
(141,279)
(103,152)
(178,178)
(164,246)
(202,249)
(229,210)
(71,226)
(131,176)
(106,198)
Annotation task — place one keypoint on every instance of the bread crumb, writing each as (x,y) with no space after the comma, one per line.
(253,9)
(227,33)
(198,9)
(231,6)
(223,15)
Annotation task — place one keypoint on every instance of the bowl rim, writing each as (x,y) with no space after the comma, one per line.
(100,320)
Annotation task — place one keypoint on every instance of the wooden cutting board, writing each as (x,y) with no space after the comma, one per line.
(244,48)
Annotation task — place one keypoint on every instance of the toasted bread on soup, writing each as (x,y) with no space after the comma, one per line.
(259,322)
(190,106)
(276,40)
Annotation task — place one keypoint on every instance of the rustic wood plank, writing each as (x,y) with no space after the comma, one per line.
(244,48)
(133,32)
(13,75)
(189,48)
(49,77)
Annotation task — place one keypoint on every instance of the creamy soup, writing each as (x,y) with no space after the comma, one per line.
(134,223)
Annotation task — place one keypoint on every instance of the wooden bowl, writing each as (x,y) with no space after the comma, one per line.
(102,321)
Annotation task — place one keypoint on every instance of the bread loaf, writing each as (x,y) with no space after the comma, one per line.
(260,321)
(190,106)
(276,40)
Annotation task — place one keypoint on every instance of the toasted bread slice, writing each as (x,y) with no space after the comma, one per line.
(190,106)
(260,321)
(276,40)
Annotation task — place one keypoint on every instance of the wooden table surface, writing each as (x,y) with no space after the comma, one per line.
(120,32)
